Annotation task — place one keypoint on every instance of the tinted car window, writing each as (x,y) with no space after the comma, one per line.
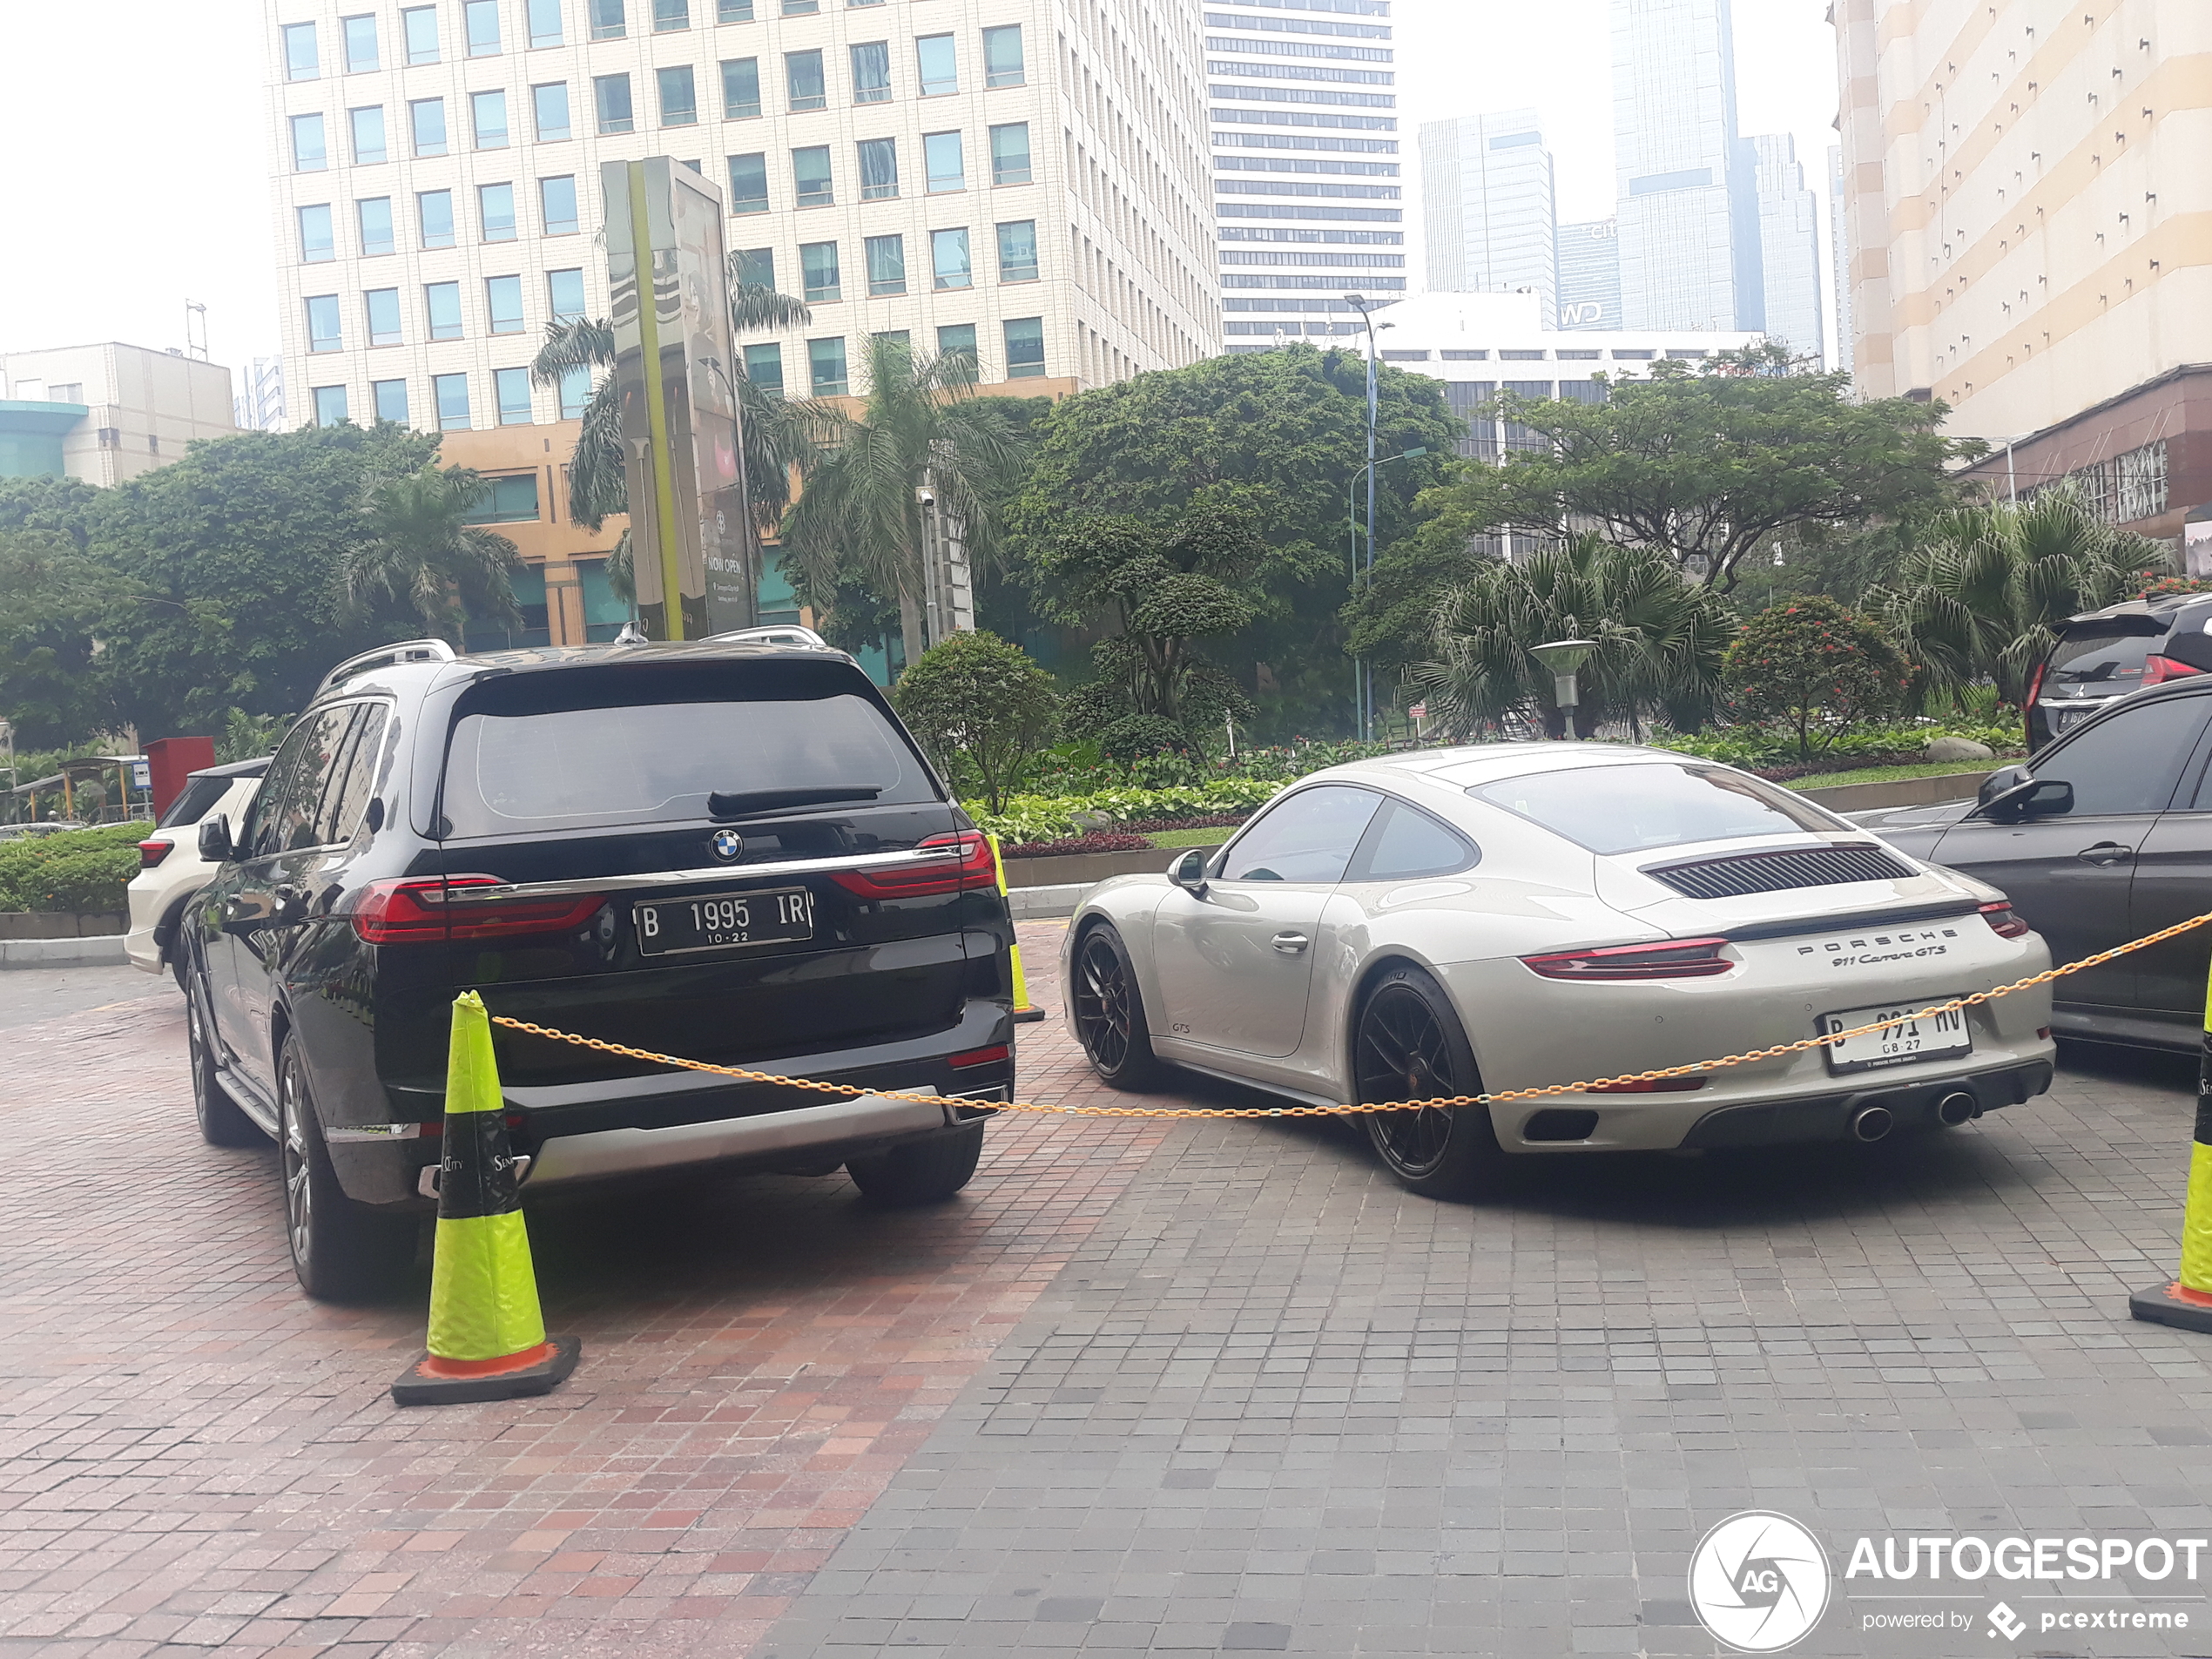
(194,800)
(2130,760)
(346,796)
(2101,657)
(1405,843)
(1306,836)
(286,797)
(1635,808)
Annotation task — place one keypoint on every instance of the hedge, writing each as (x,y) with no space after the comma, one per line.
(80,871)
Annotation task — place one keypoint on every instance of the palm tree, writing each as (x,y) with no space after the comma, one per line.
(422,554)
(860,515)
(1660,641)
(1980,601)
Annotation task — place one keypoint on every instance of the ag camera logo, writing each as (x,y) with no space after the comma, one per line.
(1759,1581)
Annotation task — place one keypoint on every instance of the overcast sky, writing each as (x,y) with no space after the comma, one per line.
(137,177)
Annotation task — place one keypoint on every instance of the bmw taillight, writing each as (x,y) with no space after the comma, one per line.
(992,1056)
(425,911)
(963,862)
(151,852)
(2003,920)
(1677,959)
(2158,670)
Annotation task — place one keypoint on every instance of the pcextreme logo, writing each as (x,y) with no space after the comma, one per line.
(1759,1581)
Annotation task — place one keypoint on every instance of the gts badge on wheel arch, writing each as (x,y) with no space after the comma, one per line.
(728,846)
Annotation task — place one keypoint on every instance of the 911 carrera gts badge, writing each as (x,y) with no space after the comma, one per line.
(728,845)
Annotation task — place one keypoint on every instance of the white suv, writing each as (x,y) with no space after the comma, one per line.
(170,867)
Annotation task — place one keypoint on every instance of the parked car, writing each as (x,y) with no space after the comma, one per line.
(2103,837)
(2102,655)
(732,852)
(1521,914)
(170,867)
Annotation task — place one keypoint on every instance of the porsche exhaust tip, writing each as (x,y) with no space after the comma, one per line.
(1956,1109)
(1872,1123)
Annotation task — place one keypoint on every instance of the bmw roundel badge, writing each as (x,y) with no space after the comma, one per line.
(729,846)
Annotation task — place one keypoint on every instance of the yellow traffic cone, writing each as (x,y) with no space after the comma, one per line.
(1024,1011)
(2187,1301)
(487,1338)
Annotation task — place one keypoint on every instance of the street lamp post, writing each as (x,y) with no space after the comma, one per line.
(1366,307)
(1351,489)
(1565,658)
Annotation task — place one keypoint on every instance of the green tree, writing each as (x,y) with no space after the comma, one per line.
(53,598)
(422,554)
(1816,667)
(1709,462)
(1981,600)
(981,709)
(1661,641)
(860,517)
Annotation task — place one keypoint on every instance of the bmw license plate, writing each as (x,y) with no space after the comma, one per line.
(719,920)
(1900,1040)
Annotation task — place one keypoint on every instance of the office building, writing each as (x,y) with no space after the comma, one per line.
(2025,201)
(107,412)
(259,404)
(1488,213)
(1009,178)
(1306,174)
(1788,245)
(1839,258)
(1589,275)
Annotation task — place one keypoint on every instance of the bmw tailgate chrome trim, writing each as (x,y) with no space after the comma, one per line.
(725,874)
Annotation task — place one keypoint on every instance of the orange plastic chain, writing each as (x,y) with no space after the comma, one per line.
(1779,1049)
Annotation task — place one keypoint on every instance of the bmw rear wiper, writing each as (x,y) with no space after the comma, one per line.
(752,802)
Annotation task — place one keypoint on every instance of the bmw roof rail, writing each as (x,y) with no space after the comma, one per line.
(407,650)
(781,633)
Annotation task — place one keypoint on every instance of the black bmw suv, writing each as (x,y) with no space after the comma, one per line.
(731,853)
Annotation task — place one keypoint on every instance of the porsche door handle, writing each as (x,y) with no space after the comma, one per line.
(1291,944)
(2106,853)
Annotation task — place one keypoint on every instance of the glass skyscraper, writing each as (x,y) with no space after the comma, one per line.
(1487,207)
(1788,245)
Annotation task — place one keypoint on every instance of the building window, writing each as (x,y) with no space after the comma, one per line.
(323,333)
(450,393)
(512,387)
(368,126)
(544,17)
(504,304)
(390,398)
(826,367)
(756,267)
(818,271)
(749,183)
(948,262)
(1018,251)
(610,96)
(943,157)
(872,72)
(957,339)
(803,82)
(886,265)
(330,405)
(442,308)
(359,35)
(1024,347)
(419,24)
(495,212)
(426,119)
(734,11)
(1010,154)
(382,306)
(318,241)
(1002,64)
(308,151)
(299,60)
(801,8)
(938,64)
(511,498)
(670,16)
(373,215)
(565,295)
(764,367)
(550,104)
(434,212)
(809,175)
(740,88)
(557,206)
(575,392)
(679,98)
(487,111)
(879,169)
(480,25)
(607,20)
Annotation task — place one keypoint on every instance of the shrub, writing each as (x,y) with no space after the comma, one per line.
(1097,841)
(981,708)
(1815,668)
(80,871)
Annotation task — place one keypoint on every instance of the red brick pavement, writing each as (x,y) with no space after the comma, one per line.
(193,1455)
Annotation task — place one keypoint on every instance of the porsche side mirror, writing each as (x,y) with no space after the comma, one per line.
(1189,872)
(215,840)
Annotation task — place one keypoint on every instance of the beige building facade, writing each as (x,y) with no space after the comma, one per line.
(2027,212)
(107,412)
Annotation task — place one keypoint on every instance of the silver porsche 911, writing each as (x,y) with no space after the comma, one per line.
(1518,915)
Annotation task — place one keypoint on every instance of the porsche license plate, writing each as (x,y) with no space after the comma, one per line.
(1900,1041)
(722,921)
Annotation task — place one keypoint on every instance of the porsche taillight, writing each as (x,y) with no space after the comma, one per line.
(1677,959)
(2004,920)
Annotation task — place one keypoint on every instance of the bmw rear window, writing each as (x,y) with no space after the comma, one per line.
(1637,808)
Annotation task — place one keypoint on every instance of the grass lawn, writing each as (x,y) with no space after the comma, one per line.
(1891,774)
(1193,838)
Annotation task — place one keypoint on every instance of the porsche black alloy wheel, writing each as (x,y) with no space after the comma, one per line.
(1110,1012)
(1409,1046)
